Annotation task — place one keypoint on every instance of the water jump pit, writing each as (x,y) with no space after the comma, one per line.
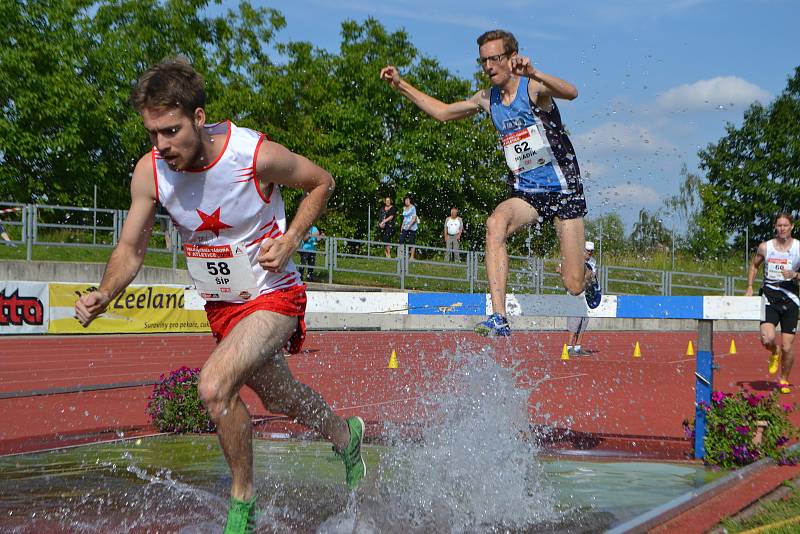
(179,484)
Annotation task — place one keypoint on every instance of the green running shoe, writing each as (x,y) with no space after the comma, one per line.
(241,517)
(354,466)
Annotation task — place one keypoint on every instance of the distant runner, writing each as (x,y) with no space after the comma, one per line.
(544,178)
(781,259)
(577,325)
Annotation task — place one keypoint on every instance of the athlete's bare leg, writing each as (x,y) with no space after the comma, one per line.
(506,219)
(245,355)
(573,264)
(768,337)
(787,355)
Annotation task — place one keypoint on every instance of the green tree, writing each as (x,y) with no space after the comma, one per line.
(753,172)
(609,230)
(649,232)
(68,67)
(377,144)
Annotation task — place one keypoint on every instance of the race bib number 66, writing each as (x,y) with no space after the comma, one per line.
(221,272)
(775,268)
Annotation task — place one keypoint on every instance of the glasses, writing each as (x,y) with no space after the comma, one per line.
(491,59)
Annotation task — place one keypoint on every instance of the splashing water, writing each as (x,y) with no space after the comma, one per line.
(474,467)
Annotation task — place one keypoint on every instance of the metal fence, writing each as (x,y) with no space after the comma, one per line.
(360,262)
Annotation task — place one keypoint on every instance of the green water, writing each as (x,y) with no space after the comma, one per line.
(180,484)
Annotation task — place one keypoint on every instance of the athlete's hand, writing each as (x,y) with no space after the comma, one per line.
(749,291)
(788,275)
(275,254)
(90,305)
(391,75)
(521,66)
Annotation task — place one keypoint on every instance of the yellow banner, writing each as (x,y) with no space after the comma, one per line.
(139,309)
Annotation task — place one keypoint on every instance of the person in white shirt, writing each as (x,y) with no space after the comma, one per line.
(453,228)
(781,259)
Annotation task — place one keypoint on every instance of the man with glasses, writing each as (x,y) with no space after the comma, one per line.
(544,178)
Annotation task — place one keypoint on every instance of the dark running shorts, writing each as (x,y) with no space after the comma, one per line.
(565,206)
(781,310)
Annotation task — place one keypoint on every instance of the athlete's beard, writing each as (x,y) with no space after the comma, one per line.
(196,160)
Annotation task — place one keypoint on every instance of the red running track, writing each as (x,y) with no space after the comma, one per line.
(607,400)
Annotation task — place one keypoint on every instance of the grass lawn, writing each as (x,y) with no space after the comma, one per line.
(781,516)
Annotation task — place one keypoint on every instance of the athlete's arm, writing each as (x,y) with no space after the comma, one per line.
(430,105)
(758,259)
(128,255)
(278,165)
(545,87)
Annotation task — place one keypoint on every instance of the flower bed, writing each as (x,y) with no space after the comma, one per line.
(175,406)
(744,427)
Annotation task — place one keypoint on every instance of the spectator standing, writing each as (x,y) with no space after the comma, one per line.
(408,232)
(6,238)
(453,228)
(308,253)
(386,224)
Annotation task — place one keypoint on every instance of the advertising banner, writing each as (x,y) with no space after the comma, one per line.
(23,307)
(139,309)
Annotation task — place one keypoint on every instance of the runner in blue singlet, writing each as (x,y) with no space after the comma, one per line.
(544,177)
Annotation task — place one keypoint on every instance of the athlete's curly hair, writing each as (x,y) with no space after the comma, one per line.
(172,83)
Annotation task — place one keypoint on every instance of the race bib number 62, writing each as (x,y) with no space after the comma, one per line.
(525,150)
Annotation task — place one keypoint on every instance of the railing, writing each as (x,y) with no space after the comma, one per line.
(340,259)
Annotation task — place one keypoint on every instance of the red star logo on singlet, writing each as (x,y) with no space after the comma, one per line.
(211,222)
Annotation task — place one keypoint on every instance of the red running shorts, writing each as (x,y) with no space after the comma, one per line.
(223,316)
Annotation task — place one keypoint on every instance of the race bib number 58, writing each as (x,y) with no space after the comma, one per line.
(221,272)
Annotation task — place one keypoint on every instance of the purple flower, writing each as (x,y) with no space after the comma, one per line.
(717,397)
(743,430)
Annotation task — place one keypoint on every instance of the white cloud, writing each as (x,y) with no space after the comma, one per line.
(722,92)
(615,137)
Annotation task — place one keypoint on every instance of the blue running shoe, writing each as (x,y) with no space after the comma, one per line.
(495,325)
(593,295)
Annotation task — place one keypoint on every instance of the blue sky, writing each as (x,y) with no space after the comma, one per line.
(658,79)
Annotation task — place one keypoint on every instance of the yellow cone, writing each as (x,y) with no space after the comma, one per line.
(393,360)
(565,353)
(690,349)
(637,352)
(733,348)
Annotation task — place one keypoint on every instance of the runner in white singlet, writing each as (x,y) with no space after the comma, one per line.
(781,260)
(221,185)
